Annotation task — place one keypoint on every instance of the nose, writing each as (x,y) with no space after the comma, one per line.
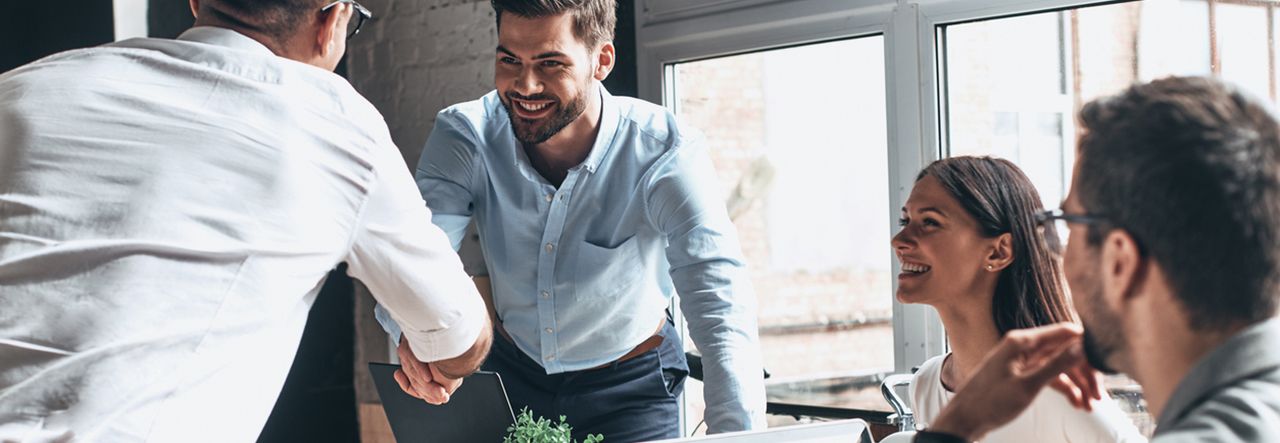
(527,82)
(902,241)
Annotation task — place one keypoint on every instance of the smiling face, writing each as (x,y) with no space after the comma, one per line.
(941,249)
(544,74)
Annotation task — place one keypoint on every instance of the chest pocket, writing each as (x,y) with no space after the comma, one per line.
(607,272)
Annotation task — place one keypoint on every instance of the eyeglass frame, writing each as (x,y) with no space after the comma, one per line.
(1045,217)
(363,13)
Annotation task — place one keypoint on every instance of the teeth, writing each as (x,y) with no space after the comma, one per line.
(532,107)
(914,268)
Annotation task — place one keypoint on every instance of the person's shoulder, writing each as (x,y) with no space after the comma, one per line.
(477,113)
(654,123)
(931,368)
(56,68)
(927,396)
(927,379)
(1106,422)
(1248,410)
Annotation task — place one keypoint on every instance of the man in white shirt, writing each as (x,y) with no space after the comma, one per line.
(169,210)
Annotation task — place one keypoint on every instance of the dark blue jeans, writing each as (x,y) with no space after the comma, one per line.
(631,401)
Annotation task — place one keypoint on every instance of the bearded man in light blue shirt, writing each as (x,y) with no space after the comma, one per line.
(592,210)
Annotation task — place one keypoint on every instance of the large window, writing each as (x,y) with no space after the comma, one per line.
(798,140)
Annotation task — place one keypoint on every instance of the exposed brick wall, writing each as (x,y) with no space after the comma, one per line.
(420,56)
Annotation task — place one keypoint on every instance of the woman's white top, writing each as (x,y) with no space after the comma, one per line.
(1050,418)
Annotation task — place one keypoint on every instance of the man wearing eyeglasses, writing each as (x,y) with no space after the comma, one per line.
(593,212)
(1173,261)
(169,210)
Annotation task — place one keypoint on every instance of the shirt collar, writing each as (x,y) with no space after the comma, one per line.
(1255,349)
(608,128)
(224,37)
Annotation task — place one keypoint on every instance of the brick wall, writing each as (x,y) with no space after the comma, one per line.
(420,56)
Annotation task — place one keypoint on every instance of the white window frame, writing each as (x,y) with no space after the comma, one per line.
(673,31)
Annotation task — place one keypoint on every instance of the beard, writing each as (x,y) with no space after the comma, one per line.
(1097,353)
(532,132)
(1102,335)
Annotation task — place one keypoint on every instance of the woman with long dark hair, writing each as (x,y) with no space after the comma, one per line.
(971,248)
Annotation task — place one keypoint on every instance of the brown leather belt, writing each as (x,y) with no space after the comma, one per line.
(645,346)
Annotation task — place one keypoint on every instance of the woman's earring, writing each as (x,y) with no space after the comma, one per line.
(991,268)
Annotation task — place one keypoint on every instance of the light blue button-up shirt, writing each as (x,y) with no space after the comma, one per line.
(583,273)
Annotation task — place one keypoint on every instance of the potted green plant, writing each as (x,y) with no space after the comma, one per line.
(540,430)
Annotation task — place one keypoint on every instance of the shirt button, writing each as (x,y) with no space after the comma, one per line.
(546,294)
(548,330)
(550,247)
(550,196)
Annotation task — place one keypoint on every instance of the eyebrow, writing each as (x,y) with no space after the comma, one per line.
(928,209)
(549,54)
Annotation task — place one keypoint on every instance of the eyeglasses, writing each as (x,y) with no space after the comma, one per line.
(357,19)
(1058,219)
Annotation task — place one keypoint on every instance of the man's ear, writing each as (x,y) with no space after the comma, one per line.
(1001,254)
(331,28)
(606,58)
(1123,268)
(195,8)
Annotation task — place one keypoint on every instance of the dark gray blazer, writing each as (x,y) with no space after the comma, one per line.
(1232,395)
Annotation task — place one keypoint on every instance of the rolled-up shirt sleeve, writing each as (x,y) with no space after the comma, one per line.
(708,271)
(444,174)
(410,267)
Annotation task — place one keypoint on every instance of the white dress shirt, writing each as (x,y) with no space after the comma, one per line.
(168,212)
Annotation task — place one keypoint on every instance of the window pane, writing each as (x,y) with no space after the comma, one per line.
(1242,42)
(799,141)
(1013,85)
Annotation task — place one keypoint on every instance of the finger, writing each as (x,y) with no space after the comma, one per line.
(419,378)
(1083,383)
(450,384)
(405,384)
(415,369)
(1095,378)
(1065,387)
(434,393)
(406,360)
(1089,381)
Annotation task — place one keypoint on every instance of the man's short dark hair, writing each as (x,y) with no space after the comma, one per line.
(1190,167)
(278,19)
(593,20)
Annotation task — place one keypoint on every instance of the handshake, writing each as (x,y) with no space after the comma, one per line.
(428,381)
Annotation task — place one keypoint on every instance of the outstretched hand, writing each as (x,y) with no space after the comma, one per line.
(1012,375)
(423,380)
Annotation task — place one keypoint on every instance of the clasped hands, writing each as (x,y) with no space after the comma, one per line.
(423,380)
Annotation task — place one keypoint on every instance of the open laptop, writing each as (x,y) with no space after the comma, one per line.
(843,431)
(477,412)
